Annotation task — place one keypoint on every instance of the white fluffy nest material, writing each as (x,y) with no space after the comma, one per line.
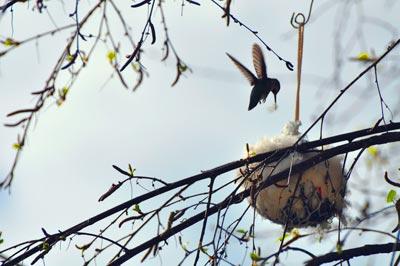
(320,192)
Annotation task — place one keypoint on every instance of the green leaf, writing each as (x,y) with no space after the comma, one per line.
(69,57)
(254,256)
(10,42)
(295,233)
(83,248)
(252,153)
(283,237)
(241,231)
(17,146)
(45,246)
(136,66)
(62,94)
(131,170)
(390,196)
(111,55)
(373,151)
(339,248)
(137,209)
(64,91)
(184,247)
(182,67)
(363,56)
(204,250)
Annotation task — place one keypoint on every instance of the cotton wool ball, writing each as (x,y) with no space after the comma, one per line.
(320,193)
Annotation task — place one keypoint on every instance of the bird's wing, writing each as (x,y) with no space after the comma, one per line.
(259,62)
(247,73)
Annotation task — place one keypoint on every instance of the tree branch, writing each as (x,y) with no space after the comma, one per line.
(354,252)
(234,199)
(323,156)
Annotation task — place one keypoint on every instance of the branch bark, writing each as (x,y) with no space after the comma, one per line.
(214,173)
(323,156)
(345,255)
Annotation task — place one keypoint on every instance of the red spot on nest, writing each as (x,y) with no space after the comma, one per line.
(319,191)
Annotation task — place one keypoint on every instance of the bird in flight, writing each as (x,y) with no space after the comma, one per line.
(262,85)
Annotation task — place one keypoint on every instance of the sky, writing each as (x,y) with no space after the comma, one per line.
(174,132)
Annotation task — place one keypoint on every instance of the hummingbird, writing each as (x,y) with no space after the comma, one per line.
(262,84)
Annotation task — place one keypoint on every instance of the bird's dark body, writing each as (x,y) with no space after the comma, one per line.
(260,91)
(262,85)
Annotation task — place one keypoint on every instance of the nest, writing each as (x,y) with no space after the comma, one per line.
(310,201)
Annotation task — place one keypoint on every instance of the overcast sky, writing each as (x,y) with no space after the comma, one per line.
(172,132)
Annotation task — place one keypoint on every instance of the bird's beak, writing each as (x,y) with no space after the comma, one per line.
(275,98)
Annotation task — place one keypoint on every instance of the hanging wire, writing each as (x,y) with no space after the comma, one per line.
(298,21)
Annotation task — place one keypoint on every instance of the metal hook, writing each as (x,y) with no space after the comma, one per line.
(300,19)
